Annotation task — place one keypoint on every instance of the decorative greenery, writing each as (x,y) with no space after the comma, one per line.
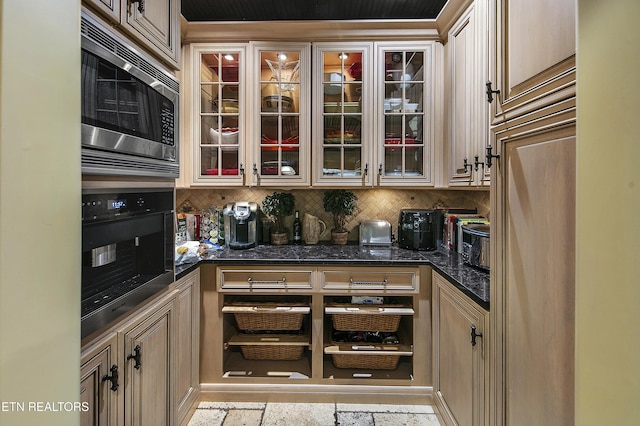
(341,204)
(277,206)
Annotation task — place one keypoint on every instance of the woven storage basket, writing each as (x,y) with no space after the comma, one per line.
(272,352)
(365,322)
(369,362)
(268,321)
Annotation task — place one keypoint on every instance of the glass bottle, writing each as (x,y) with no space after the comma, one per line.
(297,229)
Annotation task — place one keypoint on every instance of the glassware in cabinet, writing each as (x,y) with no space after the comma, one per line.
(405,105)
(280,138)
(219,105)
(343,99)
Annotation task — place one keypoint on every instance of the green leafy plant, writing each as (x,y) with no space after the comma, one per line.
(341,204)
(278,206)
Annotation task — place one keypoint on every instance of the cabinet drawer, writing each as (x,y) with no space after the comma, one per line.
(386,280)
(263,279)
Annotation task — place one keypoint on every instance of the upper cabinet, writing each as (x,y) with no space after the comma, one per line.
(405,113)
(280,108)
(217,111)
(467,123)
(533,48)
(373,114)
(249,115)
(343,131)
(155,24)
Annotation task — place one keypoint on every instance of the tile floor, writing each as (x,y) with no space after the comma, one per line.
(284,414)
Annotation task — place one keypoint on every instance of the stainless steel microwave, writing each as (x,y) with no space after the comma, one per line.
(129,108)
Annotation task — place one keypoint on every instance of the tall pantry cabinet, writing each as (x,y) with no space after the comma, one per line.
(532,83)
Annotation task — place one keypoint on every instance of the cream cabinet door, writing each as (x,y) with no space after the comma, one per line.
(343,101)
(109,8)
(148,363)
(533,274)
(532,55)
(467,124)
(187,343)
(405,112)
(101,384)
(280,138)
(157,24)
(216,138)
(460,342)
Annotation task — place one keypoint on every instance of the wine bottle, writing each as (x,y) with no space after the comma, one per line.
(297,229)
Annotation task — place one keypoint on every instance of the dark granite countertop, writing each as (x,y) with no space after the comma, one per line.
(472,282)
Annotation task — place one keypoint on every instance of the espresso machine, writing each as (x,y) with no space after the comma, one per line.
(241,221)
(419,229)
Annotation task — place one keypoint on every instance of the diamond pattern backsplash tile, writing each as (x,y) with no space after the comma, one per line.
(382,204)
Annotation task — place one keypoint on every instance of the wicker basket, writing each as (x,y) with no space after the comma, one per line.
(369,362)
(366,322)
(268,321)
(272,352)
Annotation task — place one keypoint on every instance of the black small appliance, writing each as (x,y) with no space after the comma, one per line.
(419,229)
(127,250)
(242,224)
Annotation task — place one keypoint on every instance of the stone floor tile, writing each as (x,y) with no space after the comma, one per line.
(232,405)
(405,419)
(285,414)
(207,417)
(355,419)
(243,418)
(386,408)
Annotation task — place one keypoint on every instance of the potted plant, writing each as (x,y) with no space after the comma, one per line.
(278,206)
(341,204)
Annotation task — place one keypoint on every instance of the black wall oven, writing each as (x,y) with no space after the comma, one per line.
(129,108)
(127,251)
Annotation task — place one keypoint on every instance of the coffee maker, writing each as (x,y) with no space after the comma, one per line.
(241,224)
(419,229)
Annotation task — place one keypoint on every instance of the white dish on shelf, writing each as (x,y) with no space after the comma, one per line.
(224,138)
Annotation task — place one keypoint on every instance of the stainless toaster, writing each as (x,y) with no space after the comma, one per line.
(375,233)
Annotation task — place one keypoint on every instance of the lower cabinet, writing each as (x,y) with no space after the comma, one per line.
(144,371)
(316,327)
(100,383)
(460,361)
(148,361)
(187,345)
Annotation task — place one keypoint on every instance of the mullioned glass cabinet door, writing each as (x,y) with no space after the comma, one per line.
(343,112)
(280,100)
(405,114)
(218,106)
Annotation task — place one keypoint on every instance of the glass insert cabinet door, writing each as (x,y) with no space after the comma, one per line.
(280,139)
(405,105)
(343,100)
(220,107)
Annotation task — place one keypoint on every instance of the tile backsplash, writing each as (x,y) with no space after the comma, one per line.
(376,203)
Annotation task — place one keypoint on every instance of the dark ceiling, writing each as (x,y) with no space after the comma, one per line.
(275,10)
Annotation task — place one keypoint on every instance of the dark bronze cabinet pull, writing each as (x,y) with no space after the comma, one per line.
(113,378)
(140,4)
(490,92)
(490,155)
(136,357)
(474,335)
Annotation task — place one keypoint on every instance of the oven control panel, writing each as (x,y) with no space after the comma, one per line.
(114,205)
